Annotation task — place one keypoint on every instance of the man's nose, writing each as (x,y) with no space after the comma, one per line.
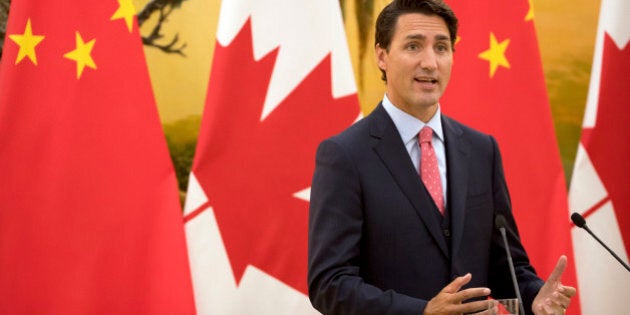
(428,61)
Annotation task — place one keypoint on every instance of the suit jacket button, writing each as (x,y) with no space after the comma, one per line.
(447,232)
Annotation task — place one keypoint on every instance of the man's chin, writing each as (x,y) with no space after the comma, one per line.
(426,102)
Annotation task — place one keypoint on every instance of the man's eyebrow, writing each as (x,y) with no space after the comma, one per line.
(442,37)
(423,37)
(416,36)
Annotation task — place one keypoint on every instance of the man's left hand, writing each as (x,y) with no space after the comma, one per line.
(554,298)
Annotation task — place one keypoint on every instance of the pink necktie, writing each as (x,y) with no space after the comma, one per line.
(429,168)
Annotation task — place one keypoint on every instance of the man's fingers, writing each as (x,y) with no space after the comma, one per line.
(450,299)
(563,295)
(556,274)
(457,283)
(468,294)
(561,300)
(549,307)
(567,291)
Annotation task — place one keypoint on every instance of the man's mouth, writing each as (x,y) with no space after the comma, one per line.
(426,80)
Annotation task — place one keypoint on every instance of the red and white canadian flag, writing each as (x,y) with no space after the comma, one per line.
(600,188)
(281,82)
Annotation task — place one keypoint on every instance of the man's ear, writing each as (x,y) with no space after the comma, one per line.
(380,55)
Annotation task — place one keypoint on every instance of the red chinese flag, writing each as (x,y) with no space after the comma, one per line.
(90,220)
(281,82)
(600,188)
(497,86)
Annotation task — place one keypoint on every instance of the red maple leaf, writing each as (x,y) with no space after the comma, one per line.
(607,143)
(250,169)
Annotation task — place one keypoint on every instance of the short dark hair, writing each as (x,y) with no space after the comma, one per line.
(387,19)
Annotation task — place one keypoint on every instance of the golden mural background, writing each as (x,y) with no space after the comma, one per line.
(566,33)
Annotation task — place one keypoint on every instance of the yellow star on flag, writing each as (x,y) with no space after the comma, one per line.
(27,43)
(82,54)
(496,54)
(127,11)
(530,12)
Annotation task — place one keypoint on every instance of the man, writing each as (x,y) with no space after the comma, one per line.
(403,203)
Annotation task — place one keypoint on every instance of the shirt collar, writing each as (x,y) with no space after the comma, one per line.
(409,126)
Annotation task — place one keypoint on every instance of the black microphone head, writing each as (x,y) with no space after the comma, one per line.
(578,220)
(499,221)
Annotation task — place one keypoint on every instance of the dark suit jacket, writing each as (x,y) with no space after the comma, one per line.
(376,244)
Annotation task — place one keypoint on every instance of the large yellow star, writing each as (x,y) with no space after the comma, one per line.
(27,43)
(496,54)
(530,12)
(127,11)
(82,54)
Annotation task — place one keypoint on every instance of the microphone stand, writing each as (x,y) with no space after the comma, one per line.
(500,223)
(512,272)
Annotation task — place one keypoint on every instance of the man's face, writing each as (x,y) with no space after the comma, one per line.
(418,63)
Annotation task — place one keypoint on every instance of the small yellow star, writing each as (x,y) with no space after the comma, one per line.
(530,12)
(126,11)
(27,43)
(496,54)
(82,54)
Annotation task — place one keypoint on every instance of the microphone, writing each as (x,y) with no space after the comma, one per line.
(500,223)
(579,221)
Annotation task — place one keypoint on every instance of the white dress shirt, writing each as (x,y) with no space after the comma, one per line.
(409,127)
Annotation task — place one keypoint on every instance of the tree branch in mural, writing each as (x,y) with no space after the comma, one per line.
(163,8)
(4,13)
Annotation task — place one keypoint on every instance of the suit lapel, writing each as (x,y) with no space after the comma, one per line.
(457,150)
(391,150)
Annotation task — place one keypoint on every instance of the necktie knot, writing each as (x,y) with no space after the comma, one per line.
(426,134)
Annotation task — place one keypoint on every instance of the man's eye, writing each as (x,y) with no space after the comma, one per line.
(442,48)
